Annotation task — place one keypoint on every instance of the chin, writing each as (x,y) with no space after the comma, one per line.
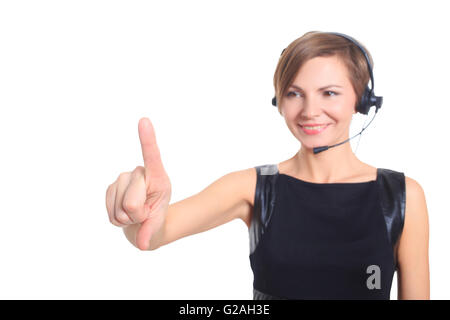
(312,146)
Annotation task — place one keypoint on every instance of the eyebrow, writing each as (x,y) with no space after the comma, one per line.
(328,86)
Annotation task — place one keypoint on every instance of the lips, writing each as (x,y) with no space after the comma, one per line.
(313,124)
(311,130)
(315,127)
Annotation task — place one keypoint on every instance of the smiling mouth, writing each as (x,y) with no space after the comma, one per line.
(311,130)
(314,127)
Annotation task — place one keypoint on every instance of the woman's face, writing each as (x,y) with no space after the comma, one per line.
(310,101)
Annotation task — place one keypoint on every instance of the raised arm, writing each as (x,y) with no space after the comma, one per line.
(138,201)
(226,199)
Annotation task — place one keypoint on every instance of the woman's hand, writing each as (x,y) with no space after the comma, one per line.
(141,196)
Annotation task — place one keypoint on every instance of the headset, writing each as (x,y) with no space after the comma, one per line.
(368,99)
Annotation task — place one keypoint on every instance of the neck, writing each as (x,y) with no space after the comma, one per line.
(327,166)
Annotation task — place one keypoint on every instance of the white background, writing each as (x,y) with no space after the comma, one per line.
(76,77)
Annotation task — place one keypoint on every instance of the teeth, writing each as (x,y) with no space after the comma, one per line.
(314,128)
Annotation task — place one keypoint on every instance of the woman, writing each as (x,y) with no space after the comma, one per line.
(322,225)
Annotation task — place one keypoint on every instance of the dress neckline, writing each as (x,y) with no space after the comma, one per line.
(328,183)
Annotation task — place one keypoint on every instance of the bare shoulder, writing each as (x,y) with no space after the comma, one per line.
(415,195)
(416,213)
(246,179)
(249,182)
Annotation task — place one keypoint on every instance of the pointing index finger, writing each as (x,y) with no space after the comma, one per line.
(150,150)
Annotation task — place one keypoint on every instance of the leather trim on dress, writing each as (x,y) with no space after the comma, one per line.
(264,202)
(258,295)
(392,192)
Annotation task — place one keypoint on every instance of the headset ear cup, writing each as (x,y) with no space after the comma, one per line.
(364,104)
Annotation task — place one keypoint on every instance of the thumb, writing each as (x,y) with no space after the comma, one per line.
(144,234)
(153,223)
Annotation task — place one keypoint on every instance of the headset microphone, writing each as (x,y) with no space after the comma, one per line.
(368,98)
(320,149)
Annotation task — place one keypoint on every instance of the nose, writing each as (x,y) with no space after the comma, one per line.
(310,108)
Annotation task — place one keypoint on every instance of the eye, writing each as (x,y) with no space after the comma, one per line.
(333,93)
(291,93)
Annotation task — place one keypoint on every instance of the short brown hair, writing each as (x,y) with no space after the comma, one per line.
(314,44)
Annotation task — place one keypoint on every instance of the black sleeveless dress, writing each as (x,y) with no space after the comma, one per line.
(325,240)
